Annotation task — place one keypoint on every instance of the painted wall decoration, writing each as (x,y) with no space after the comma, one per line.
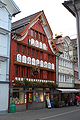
(36,43)
(53,66)
(44,46)
(37,62)
(49,65)
(29,60)
(33,61)
(24,60)
(29,41)
(19,58)
(32,42)
(40,45)
(41,63)
(45,64)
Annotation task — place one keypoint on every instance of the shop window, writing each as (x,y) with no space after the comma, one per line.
(18,96)
(38,97)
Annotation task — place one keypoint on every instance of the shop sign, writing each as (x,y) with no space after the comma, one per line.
(24,59)
(52,66)
(36,43)
(40,45)
(41,63)
(18,57)
(37,62)
(32,42)
(28,60)
(49,65)
(33,61)
(44,46)
(45,64)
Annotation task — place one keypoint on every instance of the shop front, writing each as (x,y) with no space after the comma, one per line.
(67,97)
(30,98)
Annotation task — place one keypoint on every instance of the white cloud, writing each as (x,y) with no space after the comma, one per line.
(59,18)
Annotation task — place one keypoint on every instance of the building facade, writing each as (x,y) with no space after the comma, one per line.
(7,10)
(65,71)
(33,64)
(75,61)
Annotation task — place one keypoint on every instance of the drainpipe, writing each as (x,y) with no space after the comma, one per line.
(78,35)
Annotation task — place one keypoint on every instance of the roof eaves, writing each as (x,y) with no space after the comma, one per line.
(65,4)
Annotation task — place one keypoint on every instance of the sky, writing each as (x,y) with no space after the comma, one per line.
(60,19)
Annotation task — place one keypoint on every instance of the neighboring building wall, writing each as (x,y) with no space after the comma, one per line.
(5,28)
(65,71)
(65,65)
(75,60)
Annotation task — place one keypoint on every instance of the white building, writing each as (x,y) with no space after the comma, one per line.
(7,9)
(65,79)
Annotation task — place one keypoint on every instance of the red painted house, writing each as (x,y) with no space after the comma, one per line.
(33,64)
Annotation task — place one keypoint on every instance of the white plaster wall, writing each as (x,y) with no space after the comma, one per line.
(3,70)
(3,45)
(4,18)
(4,94)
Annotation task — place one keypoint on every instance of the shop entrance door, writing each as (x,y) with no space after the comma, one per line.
(27,96)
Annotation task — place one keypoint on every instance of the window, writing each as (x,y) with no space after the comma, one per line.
(26,72)
(29,51)
(33,52)
(38,96)
(23,49)
(18,96)
(37,52)
(18,47)
(17,71)
(41,55)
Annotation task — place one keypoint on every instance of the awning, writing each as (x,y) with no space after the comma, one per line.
(69,90)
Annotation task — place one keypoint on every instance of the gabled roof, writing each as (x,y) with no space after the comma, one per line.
(21,27)
(24,21)
(70,7)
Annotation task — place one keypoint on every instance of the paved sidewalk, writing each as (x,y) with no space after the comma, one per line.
(36,114)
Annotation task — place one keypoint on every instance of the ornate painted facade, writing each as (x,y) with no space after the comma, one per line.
(33,64)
